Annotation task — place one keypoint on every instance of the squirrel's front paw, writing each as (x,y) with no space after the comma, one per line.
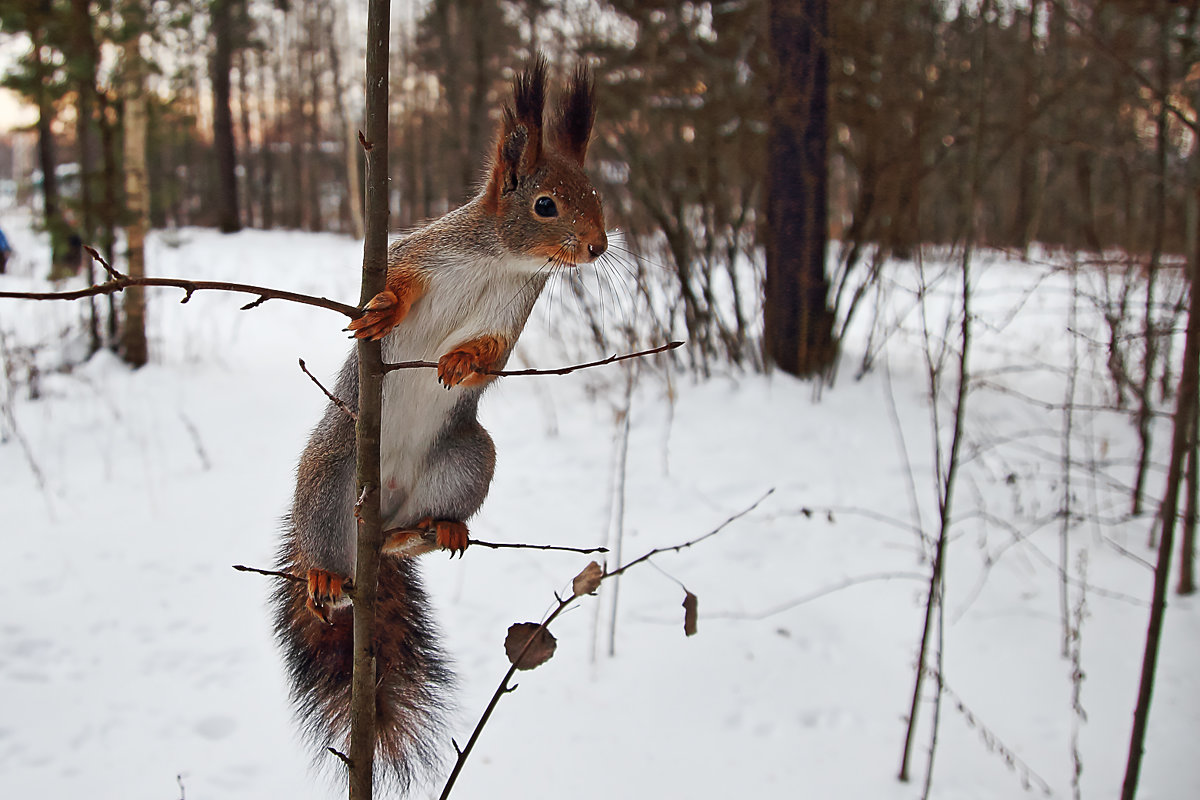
(455,367)
(384,312)
(470,361)
(325,593)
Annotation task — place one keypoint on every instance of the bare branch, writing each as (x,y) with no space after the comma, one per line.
(271,573)
(332,397)
(119,283)
(502,545)
(697,540)
(561,371)
(563,602)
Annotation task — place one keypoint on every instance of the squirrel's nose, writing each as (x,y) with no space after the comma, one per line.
(597,249)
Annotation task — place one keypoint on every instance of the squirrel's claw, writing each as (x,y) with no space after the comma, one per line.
(455,367)
(383,313)
(471,361)
(324,594)
(451,535)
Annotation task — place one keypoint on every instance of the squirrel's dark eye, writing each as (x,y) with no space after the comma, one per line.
(545,207)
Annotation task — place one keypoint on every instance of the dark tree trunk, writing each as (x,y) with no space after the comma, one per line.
(247,196)
(477,110)
(48,158)
(108,209)
(228,218)
(314,25)
(133,346)
(798,322)
(370,407)
(1187,550)
(1185,409)
(84,78)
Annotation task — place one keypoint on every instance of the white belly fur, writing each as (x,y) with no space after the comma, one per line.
(463,301)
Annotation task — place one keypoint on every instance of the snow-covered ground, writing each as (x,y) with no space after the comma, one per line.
(131,654)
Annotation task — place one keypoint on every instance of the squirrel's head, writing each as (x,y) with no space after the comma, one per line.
(544,203)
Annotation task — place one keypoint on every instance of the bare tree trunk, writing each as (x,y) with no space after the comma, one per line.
(1185,410)
(52,213)
(477,113)
(133,347)
(296,184)
(1145,414)
(798,323)
(270,118)
(316,221)
(108,209)
(947,466)
(244,57)
(354,200)
(370,407)
(228,218)
(84,67)
(1031,182)
(1187,550)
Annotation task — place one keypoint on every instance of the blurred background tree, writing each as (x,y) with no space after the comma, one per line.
(253,108)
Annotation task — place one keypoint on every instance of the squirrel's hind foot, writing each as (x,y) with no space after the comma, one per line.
(325,594)
(428,535)
(451,535)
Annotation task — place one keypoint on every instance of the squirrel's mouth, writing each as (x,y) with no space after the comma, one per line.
(573,253)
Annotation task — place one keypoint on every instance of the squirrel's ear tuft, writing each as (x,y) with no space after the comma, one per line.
(574,115)
(529,99)
(519,144)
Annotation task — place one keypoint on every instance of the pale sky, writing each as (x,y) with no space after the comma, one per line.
(13,112)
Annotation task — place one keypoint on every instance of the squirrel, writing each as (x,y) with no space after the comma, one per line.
(459,290)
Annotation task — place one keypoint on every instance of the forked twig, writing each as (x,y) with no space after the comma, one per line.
(562,604)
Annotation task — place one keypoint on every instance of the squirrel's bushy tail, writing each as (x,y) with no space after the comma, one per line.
(414,678)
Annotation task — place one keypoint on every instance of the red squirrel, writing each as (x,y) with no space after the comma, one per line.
(459,291)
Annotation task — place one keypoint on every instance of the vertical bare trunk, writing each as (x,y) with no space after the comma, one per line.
(108,209)
(316,221)
(244,57)
(449,31)
(1030,183)
(133,330)
(1187,557)
(1187,550)
(370,405)
(798,323)
(947,466)
(297,181)
(48,160)
(477,107)
(84,69)
(354,200)
(228,218)
(1145,414)
(270,118)
(1185,410)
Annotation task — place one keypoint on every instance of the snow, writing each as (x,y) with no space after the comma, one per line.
(130,652)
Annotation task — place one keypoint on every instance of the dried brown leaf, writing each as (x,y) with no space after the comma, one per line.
(588,581)
(690,613)
(529,645)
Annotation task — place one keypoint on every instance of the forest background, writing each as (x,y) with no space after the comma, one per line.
(1061,131)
